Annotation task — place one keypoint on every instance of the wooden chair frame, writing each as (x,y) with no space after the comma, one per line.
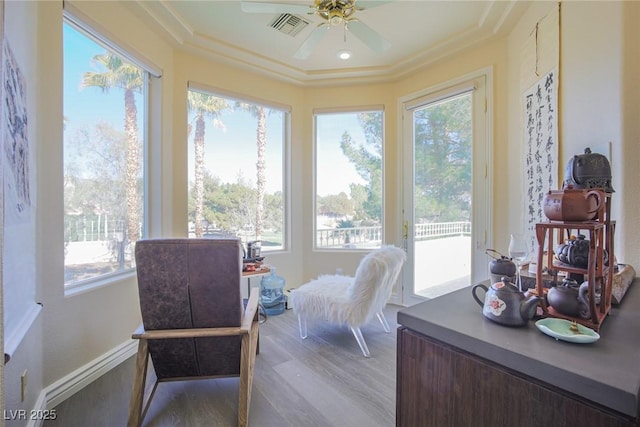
(248,330)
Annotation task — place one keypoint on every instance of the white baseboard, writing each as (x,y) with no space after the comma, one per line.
(67,386)
(39,407)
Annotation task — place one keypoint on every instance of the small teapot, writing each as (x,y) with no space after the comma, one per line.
(505,304)
(572,204)
(589,170)
(570,299)
(500,267)
(575,251)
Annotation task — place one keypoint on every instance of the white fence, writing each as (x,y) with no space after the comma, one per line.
(436,230)
(369,236)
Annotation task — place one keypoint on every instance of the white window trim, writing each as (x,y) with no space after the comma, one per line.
(92,29)
(338,110)
(484,162)
(286,149)
(152,82)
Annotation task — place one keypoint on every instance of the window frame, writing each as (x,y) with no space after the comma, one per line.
(151,85)
(286,150)
(347,110)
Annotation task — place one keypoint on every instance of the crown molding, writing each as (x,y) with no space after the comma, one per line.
(498,18)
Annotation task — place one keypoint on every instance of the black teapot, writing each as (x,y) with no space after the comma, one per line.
(570,299)
(575,252)
(588,170)
(500,267)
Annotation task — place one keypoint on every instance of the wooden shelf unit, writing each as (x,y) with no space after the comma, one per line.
(598,274)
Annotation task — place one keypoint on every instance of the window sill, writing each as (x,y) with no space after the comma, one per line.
(13,341)
(77,288)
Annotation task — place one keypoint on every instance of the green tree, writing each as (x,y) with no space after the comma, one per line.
(125,76)
(443,136)
(337,205)
(274,207)
(229,206)
(359,196)
(260,113)
(96,194)
(366,157)
(204,106)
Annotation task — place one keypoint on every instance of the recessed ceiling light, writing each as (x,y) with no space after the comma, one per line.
(344,54)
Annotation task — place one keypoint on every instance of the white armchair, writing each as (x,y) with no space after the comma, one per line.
(351,301)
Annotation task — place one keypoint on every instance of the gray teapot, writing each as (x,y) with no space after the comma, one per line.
(505,304)
(570,299)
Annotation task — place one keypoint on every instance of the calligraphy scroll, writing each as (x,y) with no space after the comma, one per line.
(540,150)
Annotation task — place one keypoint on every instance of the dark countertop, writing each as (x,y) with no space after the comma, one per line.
(606,371)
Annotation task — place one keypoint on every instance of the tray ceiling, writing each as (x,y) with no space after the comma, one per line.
(419,32)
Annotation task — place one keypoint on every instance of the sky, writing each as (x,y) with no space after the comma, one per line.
(232,150)
(79,104)
(229,151)
(334,171)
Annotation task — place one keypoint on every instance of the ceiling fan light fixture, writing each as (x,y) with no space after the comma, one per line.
(335,12)
(332,13)
(344,54)
(335,17)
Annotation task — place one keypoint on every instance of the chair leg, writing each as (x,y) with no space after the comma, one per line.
(302,326)
(139,380)
(384,322)
(363,345)
(247,364)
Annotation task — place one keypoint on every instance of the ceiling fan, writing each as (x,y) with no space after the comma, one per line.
(334,13)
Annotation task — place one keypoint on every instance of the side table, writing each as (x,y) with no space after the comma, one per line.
(263,271)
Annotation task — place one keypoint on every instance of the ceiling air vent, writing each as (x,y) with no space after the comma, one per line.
(288,24)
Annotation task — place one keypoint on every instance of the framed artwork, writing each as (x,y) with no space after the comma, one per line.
(16,150)
(6,358)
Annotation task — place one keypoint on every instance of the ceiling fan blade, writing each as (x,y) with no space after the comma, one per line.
(369,4)
(275,8)
(304,51)
(368,36)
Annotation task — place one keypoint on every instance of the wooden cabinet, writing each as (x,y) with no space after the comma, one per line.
(440,385)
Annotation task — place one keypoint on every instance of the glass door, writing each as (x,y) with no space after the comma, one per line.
(445,200)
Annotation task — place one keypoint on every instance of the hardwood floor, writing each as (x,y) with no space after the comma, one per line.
(321,381)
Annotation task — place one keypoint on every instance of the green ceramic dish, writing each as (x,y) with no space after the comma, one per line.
(560,329)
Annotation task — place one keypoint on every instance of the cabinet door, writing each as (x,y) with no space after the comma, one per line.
(439,385)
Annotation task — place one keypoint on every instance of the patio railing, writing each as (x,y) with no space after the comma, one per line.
(371,236)
(436,230)
(348,237)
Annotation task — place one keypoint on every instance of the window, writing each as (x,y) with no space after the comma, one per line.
(105,115)
(236,169)
(348,172)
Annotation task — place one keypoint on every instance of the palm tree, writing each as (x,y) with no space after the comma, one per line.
(259,112)
(205,106)
(129,78)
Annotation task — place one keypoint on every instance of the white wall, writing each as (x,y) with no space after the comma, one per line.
(600,102)
(19,281)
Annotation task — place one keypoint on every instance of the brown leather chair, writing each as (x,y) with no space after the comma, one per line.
(194,323)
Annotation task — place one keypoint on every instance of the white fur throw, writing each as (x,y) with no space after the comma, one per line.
(352,300)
